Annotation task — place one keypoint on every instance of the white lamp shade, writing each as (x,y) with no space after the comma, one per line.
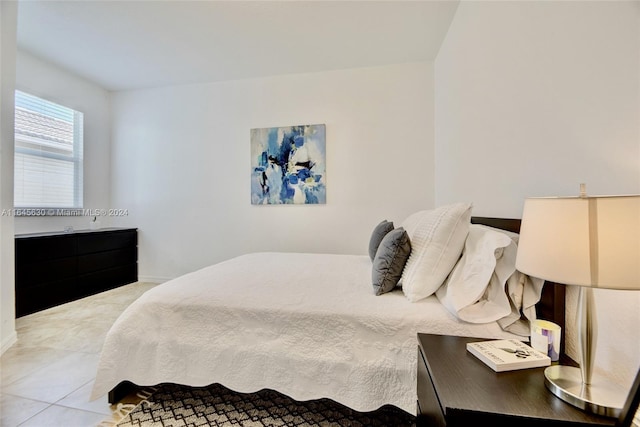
(586,241)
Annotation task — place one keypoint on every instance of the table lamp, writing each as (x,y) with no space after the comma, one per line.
(590,242)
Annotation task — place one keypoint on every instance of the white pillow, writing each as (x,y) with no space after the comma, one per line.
(475,289)
(437,238)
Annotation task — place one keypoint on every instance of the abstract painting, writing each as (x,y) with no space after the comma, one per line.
(288,165)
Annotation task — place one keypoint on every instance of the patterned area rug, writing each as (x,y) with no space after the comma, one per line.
(173,405)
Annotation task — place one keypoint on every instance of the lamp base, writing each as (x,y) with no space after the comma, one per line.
(602,398)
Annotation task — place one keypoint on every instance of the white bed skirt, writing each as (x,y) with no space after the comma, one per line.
(306,325)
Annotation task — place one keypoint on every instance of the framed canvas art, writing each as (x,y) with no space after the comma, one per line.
(288,165)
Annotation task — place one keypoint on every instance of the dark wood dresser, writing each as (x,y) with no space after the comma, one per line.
(457,389)
(55,268)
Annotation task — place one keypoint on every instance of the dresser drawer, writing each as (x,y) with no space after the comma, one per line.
(100,242)
(102,260)
(43,296)
(37,249)
(29,275)
(110,278)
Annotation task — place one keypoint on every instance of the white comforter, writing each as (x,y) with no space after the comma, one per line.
(306,325)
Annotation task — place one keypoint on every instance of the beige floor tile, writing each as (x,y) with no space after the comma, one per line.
(57,312)
(58,416)
(89,307)
(124,294)
(79,399)
(20,361)
(94,309)
(82,309)
(47,376)
(133,289)
(107,312)
(65,334)
(15,410)
(57,380)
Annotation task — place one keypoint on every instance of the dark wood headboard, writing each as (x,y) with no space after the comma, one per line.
(552,303)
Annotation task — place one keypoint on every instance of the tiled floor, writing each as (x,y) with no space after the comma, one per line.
(47,376)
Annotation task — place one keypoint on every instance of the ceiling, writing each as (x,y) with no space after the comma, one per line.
(124,45)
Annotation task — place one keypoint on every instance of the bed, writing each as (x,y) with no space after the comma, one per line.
(306,325)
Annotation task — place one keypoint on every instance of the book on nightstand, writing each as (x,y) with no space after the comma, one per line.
(508,355)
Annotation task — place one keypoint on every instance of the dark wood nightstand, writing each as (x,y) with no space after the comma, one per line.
(457,389)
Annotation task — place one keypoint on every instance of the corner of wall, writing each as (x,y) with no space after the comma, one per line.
(7,342)
(8,19)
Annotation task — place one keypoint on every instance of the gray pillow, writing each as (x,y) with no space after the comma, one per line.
(390,259)
(378,234)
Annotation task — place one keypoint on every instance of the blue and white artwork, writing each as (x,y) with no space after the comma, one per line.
(288,165)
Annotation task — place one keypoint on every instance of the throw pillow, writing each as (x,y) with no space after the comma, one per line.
(378,234)
(390,259)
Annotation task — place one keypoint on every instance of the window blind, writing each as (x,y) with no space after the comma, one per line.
(48,154)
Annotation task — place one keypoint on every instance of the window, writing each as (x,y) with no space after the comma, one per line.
(48,154)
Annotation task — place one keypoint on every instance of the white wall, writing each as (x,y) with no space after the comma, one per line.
(8,20)
(531,99)
(181,163)
(42,79)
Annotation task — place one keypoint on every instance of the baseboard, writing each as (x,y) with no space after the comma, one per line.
(153,279)
(8,342)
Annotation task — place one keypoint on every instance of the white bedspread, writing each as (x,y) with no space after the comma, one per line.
(306,325)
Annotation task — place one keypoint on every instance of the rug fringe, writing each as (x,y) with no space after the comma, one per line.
(123,409)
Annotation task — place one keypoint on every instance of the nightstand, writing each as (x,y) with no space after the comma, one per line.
(457,389)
